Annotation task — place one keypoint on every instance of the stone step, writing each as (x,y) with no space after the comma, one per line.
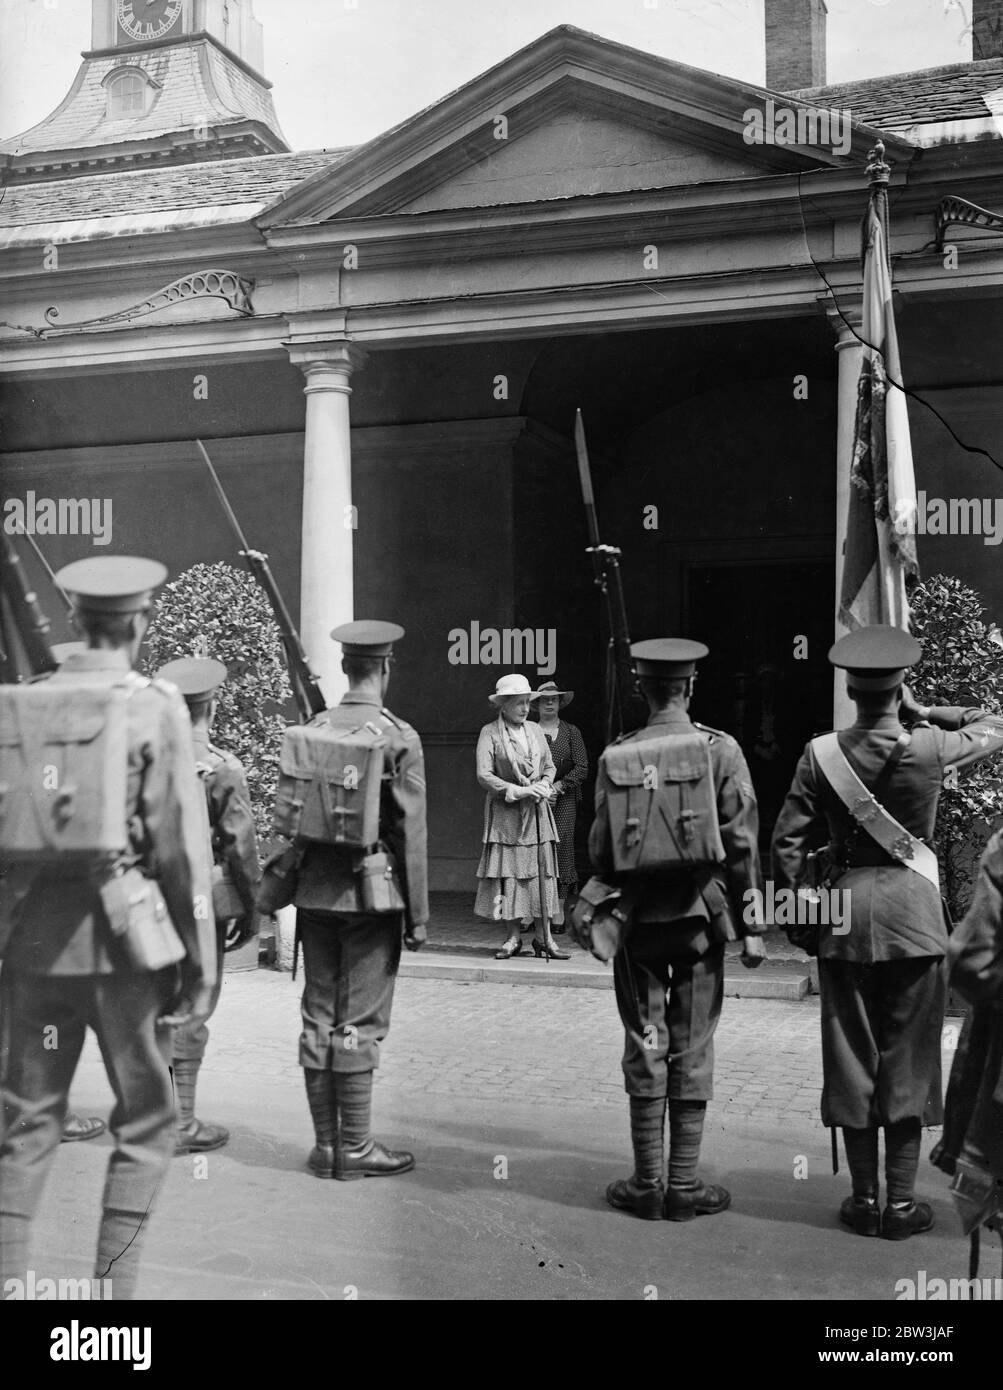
(782,981)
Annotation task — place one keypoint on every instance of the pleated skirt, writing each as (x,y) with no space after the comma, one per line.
(509,883)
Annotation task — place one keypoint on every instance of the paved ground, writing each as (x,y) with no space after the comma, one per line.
(461,947)
(511,1099)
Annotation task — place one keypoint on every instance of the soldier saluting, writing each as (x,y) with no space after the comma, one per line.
(236,872)
(351,946)
(110,930)
(870,794)
(676,826)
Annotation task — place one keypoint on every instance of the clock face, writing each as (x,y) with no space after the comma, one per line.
(143,20)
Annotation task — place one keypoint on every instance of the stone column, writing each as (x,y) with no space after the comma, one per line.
(326,583)
(850,355)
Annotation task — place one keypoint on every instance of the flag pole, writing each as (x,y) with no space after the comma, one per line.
(878,175)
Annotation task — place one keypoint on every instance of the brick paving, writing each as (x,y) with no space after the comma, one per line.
(473,1074)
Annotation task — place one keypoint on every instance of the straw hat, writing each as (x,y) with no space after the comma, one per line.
(509,686)
(549,688)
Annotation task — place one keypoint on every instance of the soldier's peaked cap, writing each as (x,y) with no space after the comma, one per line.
(367,637)
(112,583)
(667,656)
(875,657)
(197,677)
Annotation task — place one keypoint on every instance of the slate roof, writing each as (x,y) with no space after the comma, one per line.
(953,93)
(196,84)
(217,183)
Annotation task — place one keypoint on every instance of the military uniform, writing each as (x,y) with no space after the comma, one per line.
(75,1127)
(880,978)
(973,1123)
(66,968)
(234,846)
(669,974)
(350,956)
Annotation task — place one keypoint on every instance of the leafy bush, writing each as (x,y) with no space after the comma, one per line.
(962,664)
(219,611)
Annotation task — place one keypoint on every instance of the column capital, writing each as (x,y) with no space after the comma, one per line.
(327,363)
(845,317)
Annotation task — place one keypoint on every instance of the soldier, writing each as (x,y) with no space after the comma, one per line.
(350,956)
(971,1148)
(79,932)
(870,793)
(235,874)
(75,1127)
(669,974)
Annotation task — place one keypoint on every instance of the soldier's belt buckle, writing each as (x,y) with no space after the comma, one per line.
(902,848)
(865,808)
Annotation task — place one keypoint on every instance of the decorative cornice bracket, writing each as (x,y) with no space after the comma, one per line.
(201,284)
(952,211)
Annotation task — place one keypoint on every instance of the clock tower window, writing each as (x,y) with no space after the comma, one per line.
(128,93)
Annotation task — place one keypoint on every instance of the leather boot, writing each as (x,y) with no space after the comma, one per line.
(703,1200)
(372,1160)
(76,1128)
(862,1214)
(899,1223)
(324,1113)
(193,1136)
(643,1192)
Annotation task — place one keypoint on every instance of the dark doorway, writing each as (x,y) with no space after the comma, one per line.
(767,680)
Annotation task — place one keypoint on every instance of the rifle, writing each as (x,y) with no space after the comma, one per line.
(622,706)
(306,689)
(31,623)
(48,568)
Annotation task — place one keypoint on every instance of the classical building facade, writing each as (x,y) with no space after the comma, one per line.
(384,347)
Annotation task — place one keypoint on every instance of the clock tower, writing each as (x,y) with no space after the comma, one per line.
(165,82)
(141,21)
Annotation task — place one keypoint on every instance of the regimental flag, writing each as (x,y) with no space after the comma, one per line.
(880,550)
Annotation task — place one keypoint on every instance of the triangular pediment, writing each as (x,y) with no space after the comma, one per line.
(570,116)
(578,150)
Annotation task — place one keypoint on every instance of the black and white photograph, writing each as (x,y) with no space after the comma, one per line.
(501,668)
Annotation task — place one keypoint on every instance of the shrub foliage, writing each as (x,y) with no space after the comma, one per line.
(221,612)
(962,664)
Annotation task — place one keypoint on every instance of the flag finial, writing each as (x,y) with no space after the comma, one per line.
(878,170)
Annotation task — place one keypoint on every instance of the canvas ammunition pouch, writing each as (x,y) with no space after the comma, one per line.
(63,772)
(138,915)
(279,881)
(329,784)
(378,886)
(662,804)
(600,919)
(978,1196)
(226,901)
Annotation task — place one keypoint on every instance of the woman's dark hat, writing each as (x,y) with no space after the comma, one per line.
(549,689)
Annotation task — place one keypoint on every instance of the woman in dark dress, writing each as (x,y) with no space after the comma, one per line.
(567,748)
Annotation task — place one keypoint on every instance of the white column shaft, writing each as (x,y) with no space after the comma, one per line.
(326,589)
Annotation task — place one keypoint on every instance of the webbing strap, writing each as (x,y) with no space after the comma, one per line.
(869,814)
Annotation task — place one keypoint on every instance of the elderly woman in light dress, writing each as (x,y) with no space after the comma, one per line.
(519,856)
